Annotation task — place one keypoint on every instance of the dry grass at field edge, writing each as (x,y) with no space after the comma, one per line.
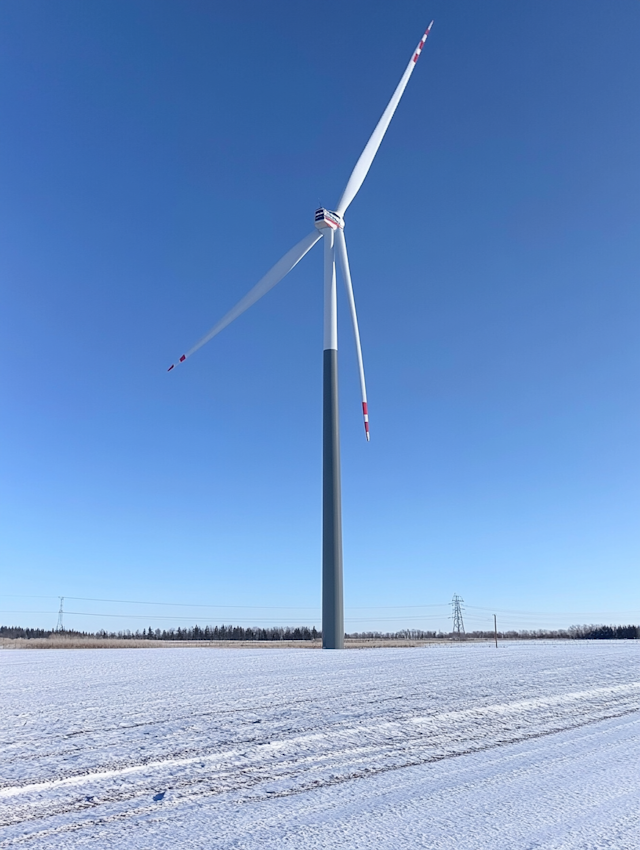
(115,643)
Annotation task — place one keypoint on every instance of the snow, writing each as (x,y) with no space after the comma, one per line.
(533,745)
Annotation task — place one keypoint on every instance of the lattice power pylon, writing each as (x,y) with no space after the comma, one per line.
(60,626)
(458,622)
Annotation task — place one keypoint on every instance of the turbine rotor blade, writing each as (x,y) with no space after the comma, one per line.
(273,276)
(343,262)
(366,157)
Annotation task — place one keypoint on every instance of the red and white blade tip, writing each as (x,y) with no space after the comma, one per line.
(422,41)
(181,360)
(365,414)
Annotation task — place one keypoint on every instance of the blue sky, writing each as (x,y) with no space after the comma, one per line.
(158,157)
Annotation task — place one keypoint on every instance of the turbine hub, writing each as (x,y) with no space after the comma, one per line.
(327,219)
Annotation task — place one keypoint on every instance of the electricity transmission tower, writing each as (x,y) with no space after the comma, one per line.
(60,626)
(458,623)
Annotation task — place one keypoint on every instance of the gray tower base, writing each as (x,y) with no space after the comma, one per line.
(332,600)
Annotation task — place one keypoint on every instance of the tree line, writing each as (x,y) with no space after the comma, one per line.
(256,633)
(605,632)
(197,633)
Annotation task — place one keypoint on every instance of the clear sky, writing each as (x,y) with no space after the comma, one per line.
(156,158)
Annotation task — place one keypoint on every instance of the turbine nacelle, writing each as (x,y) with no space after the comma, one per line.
(327,219)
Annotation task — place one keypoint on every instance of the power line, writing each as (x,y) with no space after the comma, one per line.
(195,605)
(423,616)
(147,617)
(411,617)
(490,611)
(550,613)
(143,617)
(204,605)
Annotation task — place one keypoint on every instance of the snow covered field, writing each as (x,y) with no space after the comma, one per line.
(533,745)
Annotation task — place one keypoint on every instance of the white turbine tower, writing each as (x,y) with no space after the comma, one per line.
(330,225)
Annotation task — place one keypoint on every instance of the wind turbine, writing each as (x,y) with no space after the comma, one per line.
(329,225)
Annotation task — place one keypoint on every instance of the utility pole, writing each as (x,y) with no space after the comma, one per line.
(495,629)
(60,626)
(458,624)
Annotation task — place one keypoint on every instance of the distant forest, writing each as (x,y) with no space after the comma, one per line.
(212,633)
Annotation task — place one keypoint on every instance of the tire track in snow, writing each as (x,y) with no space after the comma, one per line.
(304,762)
(437,721)
(101,821)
